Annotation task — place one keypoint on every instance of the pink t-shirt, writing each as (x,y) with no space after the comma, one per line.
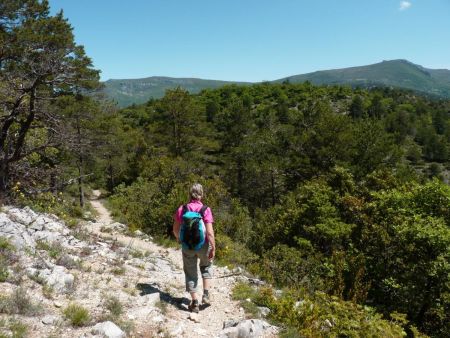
(194,205)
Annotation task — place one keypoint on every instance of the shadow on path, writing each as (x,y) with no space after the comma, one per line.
(180,302)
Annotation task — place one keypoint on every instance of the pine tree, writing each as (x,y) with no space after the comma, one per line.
(39,60)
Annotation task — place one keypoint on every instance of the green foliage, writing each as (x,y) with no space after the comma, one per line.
(325,316)
(285,265)
(321,189)
(141,205)
(319,315)
(54,249)
(408,254)
(7,258)
(16,327)
(77,315)
(139,90)
(3,270)
(6,246)
(245,293)
(307,215)
(242,291)
(232,252)
(235,222)
(392,73)
(114,307)
(63,205)
(314,188)
(40,61)
(18,303)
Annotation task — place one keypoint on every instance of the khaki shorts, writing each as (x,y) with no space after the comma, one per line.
(190,268)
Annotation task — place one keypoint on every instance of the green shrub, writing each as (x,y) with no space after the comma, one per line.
(136,254)
(7,257)
(47,291)
(246,294)
(5,245)
(141,205)
(4,273)
(118,270)
(77,314)
(324,316)
(17,328)
(63,205)
(317,315)
(18,303)
(233,253)
(150,203)
(114,306)
(412,276)
(242,291)
(54,249)
(68,261)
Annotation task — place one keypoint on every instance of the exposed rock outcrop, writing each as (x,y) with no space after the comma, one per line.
(128,285)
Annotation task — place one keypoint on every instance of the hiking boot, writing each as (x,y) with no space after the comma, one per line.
(205,299)
(194,307)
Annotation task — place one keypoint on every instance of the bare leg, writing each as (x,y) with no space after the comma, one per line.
(193,295)
(206,283)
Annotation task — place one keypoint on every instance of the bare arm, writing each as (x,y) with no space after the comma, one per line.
(211,239)
(176,230)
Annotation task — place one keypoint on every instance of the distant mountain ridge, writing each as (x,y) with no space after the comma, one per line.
(393,73)
(128,91)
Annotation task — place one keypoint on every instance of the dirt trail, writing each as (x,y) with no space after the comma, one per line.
(177,322)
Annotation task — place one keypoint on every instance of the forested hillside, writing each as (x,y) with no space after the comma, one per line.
(315,188)
(393,73)
(338,196)
(137,91)
(326,191)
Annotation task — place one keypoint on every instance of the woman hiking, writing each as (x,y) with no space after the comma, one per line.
(193,228)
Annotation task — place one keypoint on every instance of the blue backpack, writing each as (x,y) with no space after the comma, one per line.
(193,230)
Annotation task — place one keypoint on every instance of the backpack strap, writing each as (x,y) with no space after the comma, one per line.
(185,209)
(202,210)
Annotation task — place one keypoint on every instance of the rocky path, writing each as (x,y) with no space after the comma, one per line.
(178,321)
(127,285)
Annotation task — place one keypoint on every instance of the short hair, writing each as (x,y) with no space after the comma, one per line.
(196,191)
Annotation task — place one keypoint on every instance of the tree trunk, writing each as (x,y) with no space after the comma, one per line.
(53,184)
(110,175)
(4,175)
(80,185)
(80,165)
(272,186)
(240,177)
(176,134)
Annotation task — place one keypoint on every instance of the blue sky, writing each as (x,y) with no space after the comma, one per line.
(255,40)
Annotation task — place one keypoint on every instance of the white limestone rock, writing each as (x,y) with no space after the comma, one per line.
(16,233)
(194,317)
(49,320)
(23,216)
(57,277)
(108,329)
(177,330)
(118,226)
(264,311)
(251,328)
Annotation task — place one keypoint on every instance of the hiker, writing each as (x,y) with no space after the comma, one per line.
(197,244)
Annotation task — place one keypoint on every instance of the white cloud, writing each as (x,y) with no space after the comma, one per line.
(404,5)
